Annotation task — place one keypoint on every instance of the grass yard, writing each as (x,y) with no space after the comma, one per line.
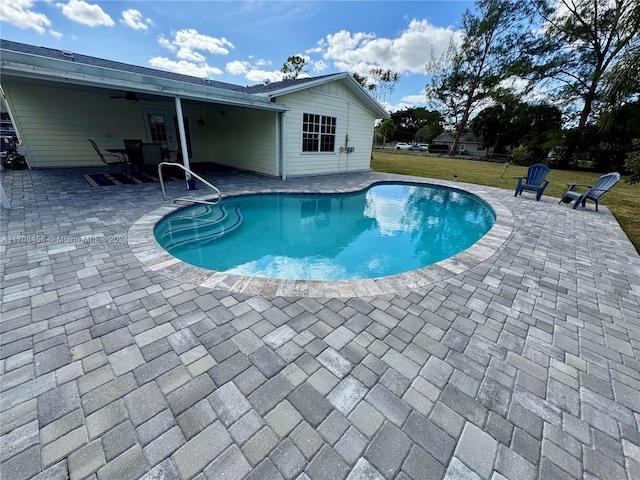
(623,200)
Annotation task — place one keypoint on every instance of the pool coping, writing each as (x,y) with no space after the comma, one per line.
(148,251)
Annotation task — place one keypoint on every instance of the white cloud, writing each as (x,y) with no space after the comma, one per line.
(86,14)
(258,76)
(166,43)
(521,88)
(420,98)
(238,68)
(187,44)
(255,74)
(19,14)
(407,53)
(133,18)
(253,71)
(319,66)
(361,68)
(185,68)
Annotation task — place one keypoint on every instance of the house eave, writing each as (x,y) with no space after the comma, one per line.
(24,65)
(364,97)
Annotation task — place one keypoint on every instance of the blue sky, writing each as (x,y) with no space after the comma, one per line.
(244,42)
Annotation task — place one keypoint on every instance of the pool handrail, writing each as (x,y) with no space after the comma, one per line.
(188,172)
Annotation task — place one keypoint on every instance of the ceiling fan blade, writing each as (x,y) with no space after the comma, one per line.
(132,97)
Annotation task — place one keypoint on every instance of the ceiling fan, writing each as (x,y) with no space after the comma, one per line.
(132,97)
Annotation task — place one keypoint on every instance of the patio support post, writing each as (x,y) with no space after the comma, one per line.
(283,153)
(183,140)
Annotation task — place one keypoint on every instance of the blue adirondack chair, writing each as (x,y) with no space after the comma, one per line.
(602,186)
(535,181)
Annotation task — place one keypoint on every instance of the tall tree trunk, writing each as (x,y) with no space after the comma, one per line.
(589,98)
(465,116)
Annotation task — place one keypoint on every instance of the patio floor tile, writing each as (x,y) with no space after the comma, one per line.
(518,359)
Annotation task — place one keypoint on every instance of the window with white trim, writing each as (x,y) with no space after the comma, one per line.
(318,133)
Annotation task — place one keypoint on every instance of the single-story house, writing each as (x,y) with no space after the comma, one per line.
(468,143)
(57,100)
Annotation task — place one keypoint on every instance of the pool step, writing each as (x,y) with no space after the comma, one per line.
(195,216)
(197,229)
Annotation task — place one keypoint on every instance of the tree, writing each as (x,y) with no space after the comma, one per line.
(492,123)
(386,130)
(473,72)
(293,67)
(380,83)
(622,83)
(362,80)
(615,130)
(428,132)
(632,163)
(511,123)
(410,120)
(582,42)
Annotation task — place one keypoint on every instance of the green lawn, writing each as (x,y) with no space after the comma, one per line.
(623,200)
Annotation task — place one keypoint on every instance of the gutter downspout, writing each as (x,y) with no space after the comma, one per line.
(283,153)
(183,141)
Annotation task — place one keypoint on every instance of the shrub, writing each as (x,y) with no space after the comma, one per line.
(632,162)
(521,155)
(439,148)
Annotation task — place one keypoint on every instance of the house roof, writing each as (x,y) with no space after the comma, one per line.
(41,64)
(443,137)
(276,89)
(49,64)
(296,84)
(77,58)
(471,138)
(465,137)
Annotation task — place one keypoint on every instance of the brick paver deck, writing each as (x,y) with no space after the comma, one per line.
(522,365)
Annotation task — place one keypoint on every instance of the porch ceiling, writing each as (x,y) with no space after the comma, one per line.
(38,70)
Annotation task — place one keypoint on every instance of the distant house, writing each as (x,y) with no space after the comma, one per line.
(468,143)
(58,99)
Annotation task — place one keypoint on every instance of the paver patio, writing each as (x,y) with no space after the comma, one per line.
(525,365)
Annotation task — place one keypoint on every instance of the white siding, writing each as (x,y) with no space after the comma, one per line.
(245,139)
(54,124)
(334,100)
(475,148)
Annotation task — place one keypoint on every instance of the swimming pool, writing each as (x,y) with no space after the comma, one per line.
(383,230)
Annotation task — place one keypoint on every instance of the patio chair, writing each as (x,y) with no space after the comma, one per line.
(151,155)
(110,159)
(602,186)
(134,152)
(167,154)
(535,181)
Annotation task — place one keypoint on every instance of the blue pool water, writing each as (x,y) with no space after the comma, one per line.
(384,230)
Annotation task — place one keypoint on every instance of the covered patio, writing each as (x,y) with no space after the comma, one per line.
(67,108)
(524,364)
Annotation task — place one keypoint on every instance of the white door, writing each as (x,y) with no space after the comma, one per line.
(162,127)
